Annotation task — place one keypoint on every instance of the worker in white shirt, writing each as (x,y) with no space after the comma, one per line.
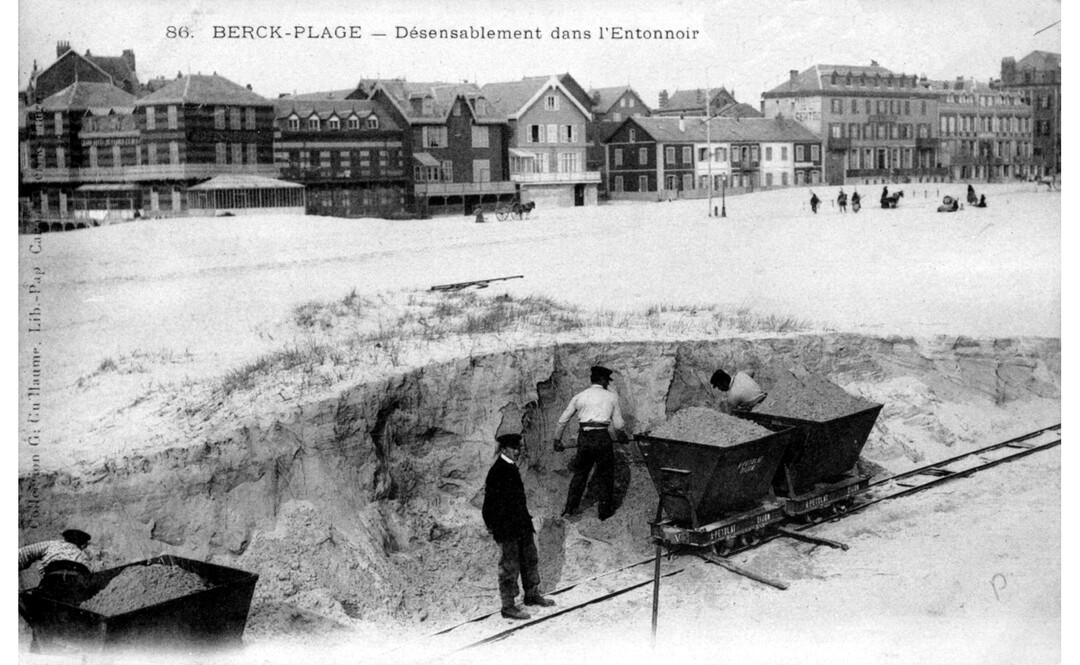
(599,419)
(738,393)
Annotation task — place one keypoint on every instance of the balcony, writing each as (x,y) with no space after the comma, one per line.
(146,172)
(927,143)
(564,177)
(465,188)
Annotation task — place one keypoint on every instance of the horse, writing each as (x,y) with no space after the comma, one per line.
(892,200)
(523,209)
(1049,180)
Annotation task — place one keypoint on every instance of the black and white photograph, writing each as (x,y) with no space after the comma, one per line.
(470,331)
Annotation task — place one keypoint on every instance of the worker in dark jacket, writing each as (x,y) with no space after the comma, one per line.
(507,518)
(814,202)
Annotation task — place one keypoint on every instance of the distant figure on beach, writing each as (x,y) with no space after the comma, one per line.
(982,201)
(971,198)
(814,201)
(856,202)
(841,200)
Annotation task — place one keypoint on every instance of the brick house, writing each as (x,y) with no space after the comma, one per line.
(1038,78)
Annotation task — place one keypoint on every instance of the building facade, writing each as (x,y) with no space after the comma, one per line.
(547,144)
(661,158)
(1037,77)
(352,156)
(877,126)
(985,132)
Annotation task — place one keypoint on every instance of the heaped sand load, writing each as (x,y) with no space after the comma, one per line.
(142,586)
(809,397)
(698,424)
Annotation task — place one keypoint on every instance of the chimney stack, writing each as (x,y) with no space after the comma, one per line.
(62,48)
(663,99)
(129,57)
(682,124)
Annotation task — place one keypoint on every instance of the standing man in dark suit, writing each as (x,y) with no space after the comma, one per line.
(599,422)
(507,518)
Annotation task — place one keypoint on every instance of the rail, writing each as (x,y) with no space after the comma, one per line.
(1020,450)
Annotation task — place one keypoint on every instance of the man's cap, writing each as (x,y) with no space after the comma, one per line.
(720,380)
(509,440)
(600,372)
(76,537)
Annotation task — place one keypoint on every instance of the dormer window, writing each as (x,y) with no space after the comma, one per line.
(313,123)
(372,122)
(354,122)
(426,106)
(294,122)
(334,123)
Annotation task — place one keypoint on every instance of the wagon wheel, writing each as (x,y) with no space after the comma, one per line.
(502,212)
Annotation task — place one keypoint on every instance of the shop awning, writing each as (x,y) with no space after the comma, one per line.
(108,187)
(244,182)
(521,153)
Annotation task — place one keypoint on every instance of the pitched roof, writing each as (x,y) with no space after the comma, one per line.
(315,96)
(604,98)
(667,130)
(83,95)
(327,108)
(443,94)
(204,89)
(512,97)
(117,67)
(1040,60)
(695,99)
(847,78)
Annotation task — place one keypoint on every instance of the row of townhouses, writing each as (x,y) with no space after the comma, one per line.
(97,144)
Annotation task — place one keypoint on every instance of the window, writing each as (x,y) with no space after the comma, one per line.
(551,103)
(434,137)
(237,153)
(250,117)
(643,183)
(882,107)
(721,154)
(61,158)
(853,130)
(923,112)
(643,156)
(447,170)
(869,107)
(783,152)
(569,162)
(333,123)
(735,155)
(703,154)
(568,134)
(174,153)
(800,153)
(552,133)
(768,180)
(150,118)
(835,131)
(907,107)
(313,123)
(371,122)
(480,137)
(784,179)
(687,155)
(837,106)
(815,153)
(252,153)
(234,118)
(456,110)
(632,135)
(618,186)
(58,123)
(753,153)
(618,157)
(854,109)
(768,154)
(687,181)
(426,106)
(669,155)
(294,122)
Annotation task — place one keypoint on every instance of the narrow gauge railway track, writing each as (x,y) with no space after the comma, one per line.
(881,490)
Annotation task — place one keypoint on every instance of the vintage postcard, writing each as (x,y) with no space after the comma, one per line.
(585,331)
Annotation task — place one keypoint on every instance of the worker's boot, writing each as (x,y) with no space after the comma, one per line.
(515,612)
(538,600)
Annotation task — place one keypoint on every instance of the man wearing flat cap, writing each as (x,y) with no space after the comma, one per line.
(738,393)
(63,564)
(507,518)
(599,418)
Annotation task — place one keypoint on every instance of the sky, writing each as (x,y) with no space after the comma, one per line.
(748,47)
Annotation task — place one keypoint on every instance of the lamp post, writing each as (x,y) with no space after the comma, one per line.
(723,198)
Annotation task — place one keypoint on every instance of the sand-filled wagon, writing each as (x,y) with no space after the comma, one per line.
(167,602)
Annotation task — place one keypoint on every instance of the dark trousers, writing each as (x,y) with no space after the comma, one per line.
(594,449)
(518,557)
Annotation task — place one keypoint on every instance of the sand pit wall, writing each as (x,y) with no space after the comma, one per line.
(365,504)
